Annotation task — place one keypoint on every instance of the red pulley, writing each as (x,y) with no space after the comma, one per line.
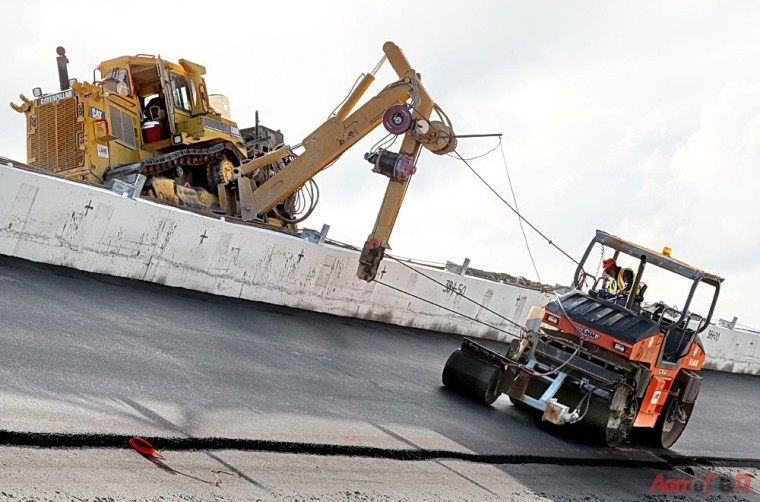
(397,119)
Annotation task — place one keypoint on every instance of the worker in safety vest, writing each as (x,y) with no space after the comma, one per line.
(621,279)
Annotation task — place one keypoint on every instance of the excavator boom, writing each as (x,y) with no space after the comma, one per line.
(342,131)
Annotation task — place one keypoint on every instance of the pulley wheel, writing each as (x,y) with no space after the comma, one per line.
(443,141)
(397,119)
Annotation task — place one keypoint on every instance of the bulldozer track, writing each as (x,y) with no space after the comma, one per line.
(191,157)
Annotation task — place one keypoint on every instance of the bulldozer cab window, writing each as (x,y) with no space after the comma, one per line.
(117,80)
(182,92)
(155,107)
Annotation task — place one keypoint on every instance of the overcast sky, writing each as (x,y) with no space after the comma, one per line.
(639,118)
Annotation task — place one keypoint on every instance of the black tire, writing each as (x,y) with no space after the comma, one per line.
(472,377)
(617,435)
(669,426)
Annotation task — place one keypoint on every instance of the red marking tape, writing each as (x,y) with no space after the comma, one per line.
(143,446)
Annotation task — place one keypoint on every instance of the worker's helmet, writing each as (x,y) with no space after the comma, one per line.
(608,263)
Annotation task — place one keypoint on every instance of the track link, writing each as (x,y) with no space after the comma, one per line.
(190,157)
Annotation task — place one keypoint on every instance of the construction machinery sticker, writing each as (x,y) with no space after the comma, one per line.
(215,125)
(54,98)
(103,151)
(656,397)
(97,114)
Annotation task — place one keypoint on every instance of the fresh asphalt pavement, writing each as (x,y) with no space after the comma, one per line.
(87,355)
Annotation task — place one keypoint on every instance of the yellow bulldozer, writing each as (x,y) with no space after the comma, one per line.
(122,123)
(149,127)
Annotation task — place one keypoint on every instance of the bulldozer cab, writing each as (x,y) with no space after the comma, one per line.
(139,115)
(163,93)
(679,324)
(170,99)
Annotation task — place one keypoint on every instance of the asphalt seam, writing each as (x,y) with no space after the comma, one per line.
(48,440)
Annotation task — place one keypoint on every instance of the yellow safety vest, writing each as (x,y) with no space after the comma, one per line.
(617,284)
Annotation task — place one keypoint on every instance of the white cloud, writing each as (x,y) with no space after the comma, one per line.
(706,195)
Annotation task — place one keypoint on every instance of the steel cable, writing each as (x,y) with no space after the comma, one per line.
(440,306)
(514,210)
(520,327)
(517,208)
(510,321)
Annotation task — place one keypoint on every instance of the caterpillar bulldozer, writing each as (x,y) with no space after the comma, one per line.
(149,127)
(622,367)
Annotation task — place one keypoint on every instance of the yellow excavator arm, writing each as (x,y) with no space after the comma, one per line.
(343,130)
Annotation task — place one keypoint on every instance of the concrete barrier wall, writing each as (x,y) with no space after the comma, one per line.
(60,222)
(734,351)
(50,220)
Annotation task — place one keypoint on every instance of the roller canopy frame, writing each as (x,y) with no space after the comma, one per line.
(660,260)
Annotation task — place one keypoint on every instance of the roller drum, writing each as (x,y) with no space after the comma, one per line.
(472,377)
